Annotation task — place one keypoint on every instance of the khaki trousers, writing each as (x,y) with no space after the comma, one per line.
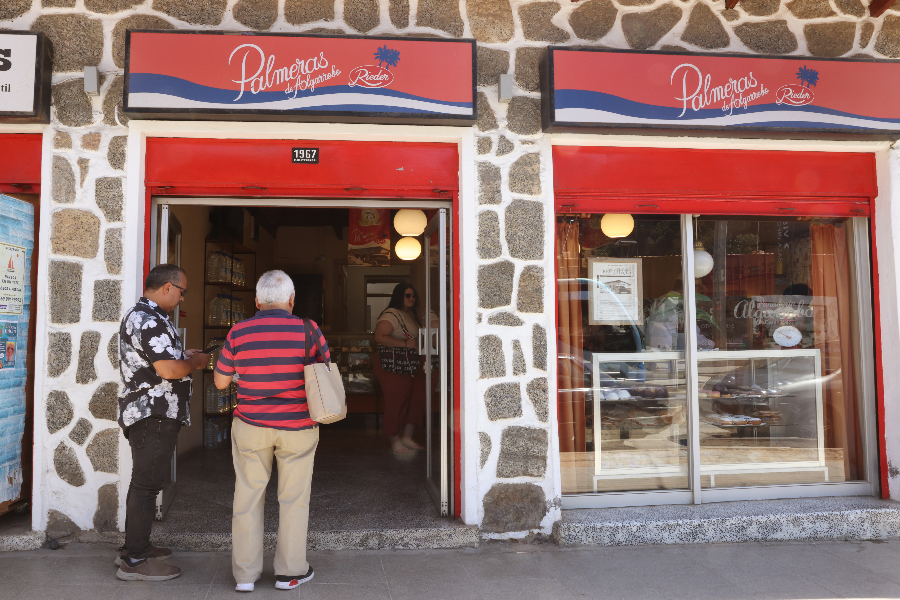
(252,449)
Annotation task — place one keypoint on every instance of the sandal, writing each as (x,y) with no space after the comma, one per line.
(403,452)
(412,445)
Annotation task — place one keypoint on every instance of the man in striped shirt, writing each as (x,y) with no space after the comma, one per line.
(272,419)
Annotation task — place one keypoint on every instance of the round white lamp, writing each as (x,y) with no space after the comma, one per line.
(408,248)
(617,225)
(410,222)
(703,261)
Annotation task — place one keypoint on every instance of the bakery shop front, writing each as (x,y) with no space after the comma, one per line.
(718,326)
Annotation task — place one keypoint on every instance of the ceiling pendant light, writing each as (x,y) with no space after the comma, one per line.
(703,260)
(617,225)
(408,248)
(410,222)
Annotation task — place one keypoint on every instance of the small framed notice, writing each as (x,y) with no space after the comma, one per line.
(616,292)
(305,155)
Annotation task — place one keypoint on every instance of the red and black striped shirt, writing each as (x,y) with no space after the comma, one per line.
(268,353)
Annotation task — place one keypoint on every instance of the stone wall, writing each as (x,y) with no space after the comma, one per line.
(518,477)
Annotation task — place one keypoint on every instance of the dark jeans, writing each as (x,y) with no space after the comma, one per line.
(152,442)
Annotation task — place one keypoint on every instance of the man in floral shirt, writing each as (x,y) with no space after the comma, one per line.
(154,404)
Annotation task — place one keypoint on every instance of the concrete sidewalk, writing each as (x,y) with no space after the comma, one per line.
(495,571)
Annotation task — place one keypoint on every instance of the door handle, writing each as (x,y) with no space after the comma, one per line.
(421,342)
(434,341)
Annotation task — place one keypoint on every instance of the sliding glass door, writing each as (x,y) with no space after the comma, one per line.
(705,358)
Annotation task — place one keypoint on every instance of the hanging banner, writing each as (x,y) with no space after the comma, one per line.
(25,72)
(370,237)
(283,77)
(12,279)
(593,88)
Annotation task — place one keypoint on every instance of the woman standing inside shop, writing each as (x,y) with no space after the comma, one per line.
(398,368)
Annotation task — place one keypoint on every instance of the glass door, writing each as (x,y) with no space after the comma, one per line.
(433,345)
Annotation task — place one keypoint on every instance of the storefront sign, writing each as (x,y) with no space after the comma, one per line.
(12,279)
(617,295)
(24,77)
(290,77)
(663,90)
(370,237)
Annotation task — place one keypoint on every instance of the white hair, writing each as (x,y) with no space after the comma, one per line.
(274,287)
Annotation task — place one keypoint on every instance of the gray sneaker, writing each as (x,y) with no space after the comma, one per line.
(147,570)
(157,553)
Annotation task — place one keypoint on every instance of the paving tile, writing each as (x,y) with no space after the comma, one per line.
(10,590)
(688,586)
(609,589)
(414,567)
(523,589)
(870,557)
(68,591)
(24,570)
(362,569)
(858,584)
(160,590)
(505,565)
(456,590)
(782,588)
(84,570)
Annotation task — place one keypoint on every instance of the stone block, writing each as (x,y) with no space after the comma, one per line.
(489,180)
(888,40)
(441,14)
(62,140)
(527,72)
(704,29)
(865,34)
(523,452)
(106,517)
(635,2)
(104,402)
(491,65)
(811,9)
(103,451)
(59,525)
(495,283)
(539,347)
(488,235)
(518,360)
(71,106)
(205,12)
(77,40)
(57,3)
(503,401)
(256,14)
(484,145)
(731,15)
(530,295)
(109,196)
(593,19)
(513,507)
(112,351)
(63,184)
(65,291)
(81,431)
(112,251)
(59,353)
(362,15)
(536,25)
(485,442)
(91,141)
(112,104)
(491,21)
(537,390)
(107,300)
(115,153)
(525,175)
(643,30)
(767,37)
(298,12)
(87,351)
(59,411)
(65,461)
(760,8)
(10,9)
(505,319)
(830,39)
(83,169)
(524,115)
(398,10)
(110,6)
(851,7)
(487,120)
(133,22)
(491,359)
(524,221)
(504,146)
(75,233)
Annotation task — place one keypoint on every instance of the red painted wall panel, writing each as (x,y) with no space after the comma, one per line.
(20,162)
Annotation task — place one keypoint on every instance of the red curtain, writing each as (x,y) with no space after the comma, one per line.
(571,341)
(831,289)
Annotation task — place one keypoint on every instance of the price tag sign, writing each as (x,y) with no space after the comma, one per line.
(305,155)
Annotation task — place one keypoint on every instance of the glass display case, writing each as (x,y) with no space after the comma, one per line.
(354,354)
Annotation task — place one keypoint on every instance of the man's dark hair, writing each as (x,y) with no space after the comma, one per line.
(160,275)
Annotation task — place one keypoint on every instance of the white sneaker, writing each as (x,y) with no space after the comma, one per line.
(246,587)
(289,582)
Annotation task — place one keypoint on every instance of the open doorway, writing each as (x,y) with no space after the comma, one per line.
(343,282)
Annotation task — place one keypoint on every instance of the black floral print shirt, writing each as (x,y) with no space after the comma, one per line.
(146,336)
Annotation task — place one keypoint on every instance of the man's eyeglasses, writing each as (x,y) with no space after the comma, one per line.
(183,290)
(408,295)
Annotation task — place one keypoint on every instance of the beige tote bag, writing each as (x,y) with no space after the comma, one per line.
(325,394)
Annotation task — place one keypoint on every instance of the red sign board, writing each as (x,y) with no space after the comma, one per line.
(284,77)
(664,90)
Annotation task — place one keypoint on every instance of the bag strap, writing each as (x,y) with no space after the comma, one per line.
(307,331)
